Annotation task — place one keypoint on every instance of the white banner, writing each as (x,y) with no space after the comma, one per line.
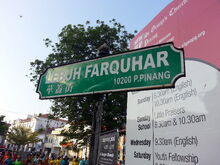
(178,126)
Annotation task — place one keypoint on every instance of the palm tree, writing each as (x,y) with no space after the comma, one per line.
(21,136)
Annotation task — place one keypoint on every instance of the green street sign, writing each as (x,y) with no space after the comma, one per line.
(152,67)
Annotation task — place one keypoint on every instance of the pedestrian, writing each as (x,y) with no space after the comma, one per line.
(9,161)
(4,158)
(86,161)
(18,160)
(15,154)
(40,162)
(1,156)
(64,161)
(29,159)
(36,159)
(120,162)
(75,162)
(58,160)
(52,161)
(82,162)
(46,159)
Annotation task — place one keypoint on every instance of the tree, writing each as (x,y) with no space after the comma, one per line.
(77,43)
(3,128)
(20,135)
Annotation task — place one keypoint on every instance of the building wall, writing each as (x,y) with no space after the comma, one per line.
(42,122)
(36,123)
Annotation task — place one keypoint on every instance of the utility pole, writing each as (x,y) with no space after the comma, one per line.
(97,117)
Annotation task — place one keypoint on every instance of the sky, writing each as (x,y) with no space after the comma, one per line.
(24,24)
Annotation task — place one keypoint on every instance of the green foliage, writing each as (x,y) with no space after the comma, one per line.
(77,43)
(21,136)
(3,126)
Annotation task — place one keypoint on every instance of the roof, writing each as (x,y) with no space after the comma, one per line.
(25,120)
(46,116)
(41,116)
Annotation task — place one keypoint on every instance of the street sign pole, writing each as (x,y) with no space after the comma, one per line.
(98,127)
(97,117)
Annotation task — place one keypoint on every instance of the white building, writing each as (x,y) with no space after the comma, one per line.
(53,141)
(54,145)
(40,123)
